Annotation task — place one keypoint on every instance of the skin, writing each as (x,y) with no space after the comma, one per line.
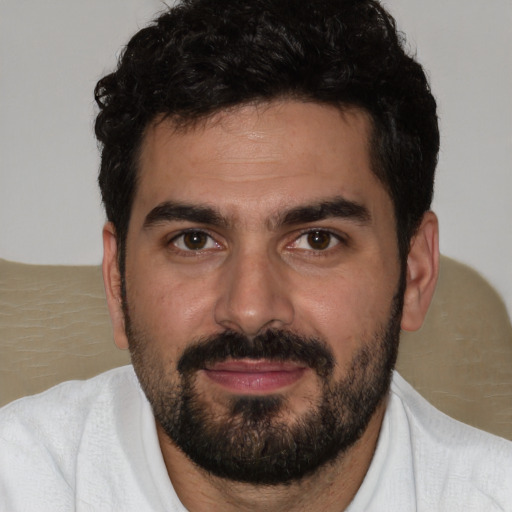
(253,164)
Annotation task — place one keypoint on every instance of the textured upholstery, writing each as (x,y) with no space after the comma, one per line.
(54,326)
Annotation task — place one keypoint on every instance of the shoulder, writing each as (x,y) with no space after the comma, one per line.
(438,426)
(68,402)
(452,459)
(42,434)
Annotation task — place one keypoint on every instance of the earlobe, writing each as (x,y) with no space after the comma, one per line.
(112,282)
(422,272)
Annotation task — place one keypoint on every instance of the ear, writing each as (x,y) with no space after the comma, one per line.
(112,282)
(422,272)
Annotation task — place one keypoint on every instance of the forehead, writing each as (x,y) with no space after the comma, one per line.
(259,158)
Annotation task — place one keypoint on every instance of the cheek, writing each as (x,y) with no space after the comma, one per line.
(171,308)
(346,310)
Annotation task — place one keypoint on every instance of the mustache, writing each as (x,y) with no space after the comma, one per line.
(273,345)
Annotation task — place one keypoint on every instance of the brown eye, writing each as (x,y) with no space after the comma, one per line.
(194,241)
(319,240)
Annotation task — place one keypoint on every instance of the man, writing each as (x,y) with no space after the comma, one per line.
(267,172)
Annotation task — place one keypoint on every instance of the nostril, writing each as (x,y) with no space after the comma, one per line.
(251,295)
(253,312)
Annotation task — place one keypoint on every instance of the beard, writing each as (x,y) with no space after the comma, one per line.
(257,439)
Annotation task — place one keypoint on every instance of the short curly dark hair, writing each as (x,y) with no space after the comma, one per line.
(203,56)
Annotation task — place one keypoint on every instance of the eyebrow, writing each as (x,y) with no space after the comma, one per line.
(169,211)
(335,207)
(340,207)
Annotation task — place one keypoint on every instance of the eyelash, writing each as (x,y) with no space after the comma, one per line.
(201,232)
(339,239)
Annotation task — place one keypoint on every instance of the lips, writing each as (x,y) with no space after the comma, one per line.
(254,376)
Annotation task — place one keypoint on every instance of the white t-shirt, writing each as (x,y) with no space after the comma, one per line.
(92,446)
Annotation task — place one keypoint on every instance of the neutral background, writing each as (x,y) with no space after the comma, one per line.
(52,53)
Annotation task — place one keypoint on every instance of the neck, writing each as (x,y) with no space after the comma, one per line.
(330,488)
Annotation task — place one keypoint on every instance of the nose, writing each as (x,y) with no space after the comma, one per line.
(253,295)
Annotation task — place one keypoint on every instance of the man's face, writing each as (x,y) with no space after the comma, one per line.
(262,287)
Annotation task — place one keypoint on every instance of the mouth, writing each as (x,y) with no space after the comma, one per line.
(246,376)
